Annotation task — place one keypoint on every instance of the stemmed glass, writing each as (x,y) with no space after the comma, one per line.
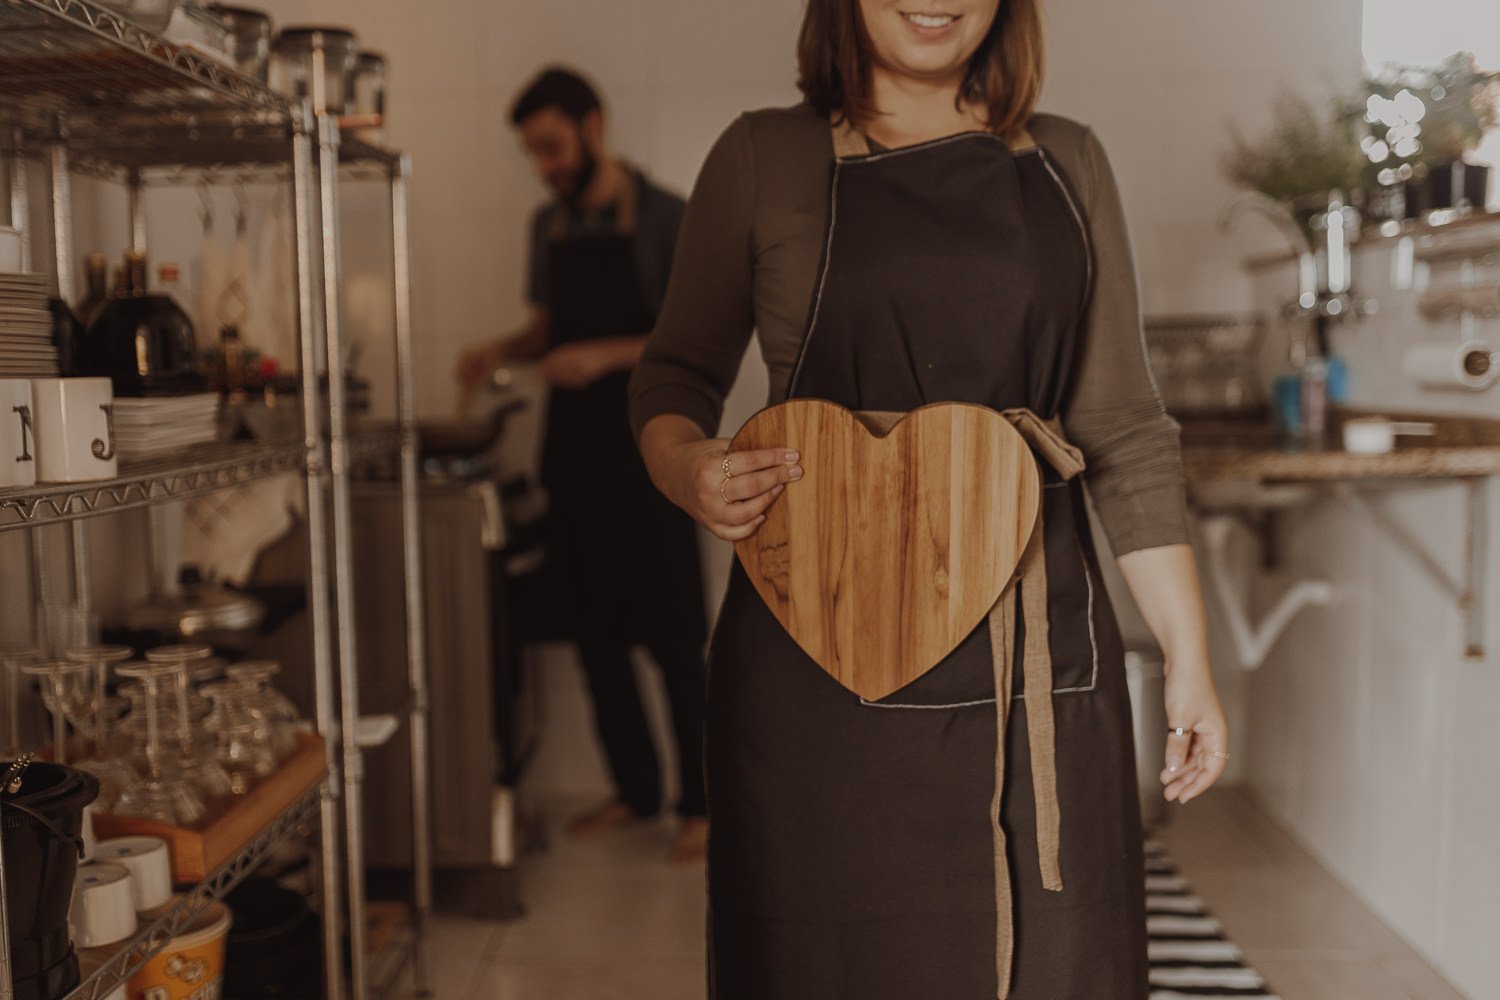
(205,772)
(245,747)
(65,692)
(254,678)
(114,773)
(13,659)
(161,795)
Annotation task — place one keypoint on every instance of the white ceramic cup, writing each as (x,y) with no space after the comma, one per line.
(17,433)
(74,423)
(103,905)
(10,250)
(149,864)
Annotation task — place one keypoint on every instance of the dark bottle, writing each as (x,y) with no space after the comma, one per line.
(144,342)
(96,272)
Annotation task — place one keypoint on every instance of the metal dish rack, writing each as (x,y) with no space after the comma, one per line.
(86,91)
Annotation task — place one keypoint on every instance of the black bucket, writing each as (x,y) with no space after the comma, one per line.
(43,828)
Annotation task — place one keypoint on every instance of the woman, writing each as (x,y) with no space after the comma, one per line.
(913,233)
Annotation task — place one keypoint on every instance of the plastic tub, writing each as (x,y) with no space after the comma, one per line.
(192,965)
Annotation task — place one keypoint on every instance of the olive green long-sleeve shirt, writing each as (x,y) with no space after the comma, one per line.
(747,261)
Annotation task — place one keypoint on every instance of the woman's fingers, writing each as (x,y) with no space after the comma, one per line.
(754,484)
(1199,769)
(739,512)
(741,462)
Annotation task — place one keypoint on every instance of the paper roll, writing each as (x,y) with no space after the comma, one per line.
(103,905)
(149,865)
(1472,365)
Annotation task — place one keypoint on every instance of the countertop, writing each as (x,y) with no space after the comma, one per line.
(1236,450)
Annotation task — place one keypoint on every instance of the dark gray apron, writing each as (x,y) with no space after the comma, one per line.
(851,853)
(624,563)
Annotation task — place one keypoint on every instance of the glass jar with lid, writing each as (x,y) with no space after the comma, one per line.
(316,63)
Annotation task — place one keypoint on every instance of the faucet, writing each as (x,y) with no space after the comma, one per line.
(1324,276)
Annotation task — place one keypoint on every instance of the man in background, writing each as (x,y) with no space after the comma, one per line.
(624,560)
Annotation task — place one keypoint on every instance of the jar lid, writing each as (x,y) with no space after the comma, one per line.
(308,37)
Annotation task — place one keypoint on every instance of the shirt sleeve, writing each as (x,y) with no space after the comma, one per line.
(693,353)
(536,268)
(1113,411)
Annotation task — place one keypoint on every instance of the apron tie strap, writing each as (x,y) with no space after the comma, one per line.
(1036,681)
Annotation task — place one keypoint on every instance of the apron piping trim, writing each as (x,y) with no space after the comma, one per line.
(812,322)
(885,154)
(1083,230)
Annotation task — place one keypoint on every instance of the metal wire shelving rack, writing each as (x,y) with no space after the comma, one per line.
(85,91)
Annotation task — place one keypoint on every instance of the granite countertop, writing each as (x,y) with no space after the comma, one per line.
(1244,450)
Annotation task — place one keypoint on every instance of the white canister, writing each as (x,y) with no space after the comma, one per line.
(149,864)
(103,905)
(17,433)
(74,423)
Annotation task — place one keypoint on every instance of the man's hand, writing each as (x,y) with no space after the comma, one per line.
(477,361)
(579,364)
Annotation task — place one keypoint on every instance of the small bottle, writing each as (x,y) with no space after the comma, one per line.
(169,281)
(1315,398)
(231,360)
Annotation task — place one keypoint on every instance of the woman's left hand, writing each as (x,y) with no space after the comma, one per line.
(1193,703)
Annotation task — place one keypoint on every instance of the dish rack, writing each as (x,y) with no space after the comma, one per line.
(1207,366)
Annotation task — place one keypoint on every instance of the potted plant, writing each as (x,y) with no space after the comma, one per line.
(1422,123)
(1306,158)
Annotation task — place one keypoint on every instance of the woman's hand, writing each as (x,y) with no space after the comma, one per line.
(1192,703)
(693,478)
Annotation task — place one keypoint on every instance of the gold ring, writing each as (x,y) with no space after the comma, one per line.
(1221,753)
(721,491)
(1178,730)
(725,466)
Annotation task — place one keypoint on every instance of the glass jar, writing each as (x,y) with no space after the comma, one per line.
(250,33)
(368,110)
(316,63)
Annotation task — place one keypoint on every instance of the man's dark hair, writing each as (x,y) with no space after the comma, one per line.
(558,88)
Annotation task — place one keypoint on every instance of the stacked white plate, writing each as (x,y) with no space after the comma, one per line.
(26,349)
(157,425)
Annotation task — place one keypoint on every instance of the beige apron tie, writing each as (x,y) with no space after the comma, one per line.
(1036,680)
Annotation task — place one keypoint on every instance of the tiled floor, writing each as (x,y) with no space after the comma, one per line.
(611,920)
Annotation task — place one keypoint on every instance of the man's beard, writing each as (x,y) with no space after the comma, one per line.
(582,177)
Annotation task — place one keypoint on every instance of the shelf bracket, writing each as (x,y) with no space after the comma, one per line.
(1466,592)
(1253,641)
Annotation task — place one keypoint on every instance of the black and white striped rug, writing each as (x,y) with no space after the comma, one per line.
(1190,956)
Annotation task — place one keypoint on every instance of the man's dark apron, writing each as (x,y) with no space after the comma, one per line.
(625,563)
(854,847)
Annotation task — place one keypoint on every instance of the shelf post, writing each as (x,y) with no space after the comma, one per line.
(62,210)
(411,536)
(325,694)
(343,553)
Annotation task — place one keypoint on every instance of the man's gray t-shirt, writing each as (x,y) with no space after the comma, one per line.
(658,218)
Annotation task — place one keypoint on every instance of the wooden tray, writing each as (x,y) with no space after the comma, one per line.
(197,852)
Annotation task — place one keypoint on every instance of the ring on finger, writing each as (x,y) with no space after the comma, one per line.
(721,489)
(725,466)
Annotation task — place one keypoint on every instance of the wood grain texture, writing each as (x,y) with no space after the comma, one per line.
(898,539)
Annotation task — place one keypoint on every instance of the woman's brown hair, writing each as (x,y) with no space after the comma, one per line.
(1005,72)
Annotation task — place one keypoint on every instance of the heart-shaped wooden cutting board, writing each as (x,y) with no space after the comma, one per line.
(892,546)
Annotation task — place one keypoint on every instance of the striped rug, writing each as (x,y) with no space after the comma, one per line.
(1190,956)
